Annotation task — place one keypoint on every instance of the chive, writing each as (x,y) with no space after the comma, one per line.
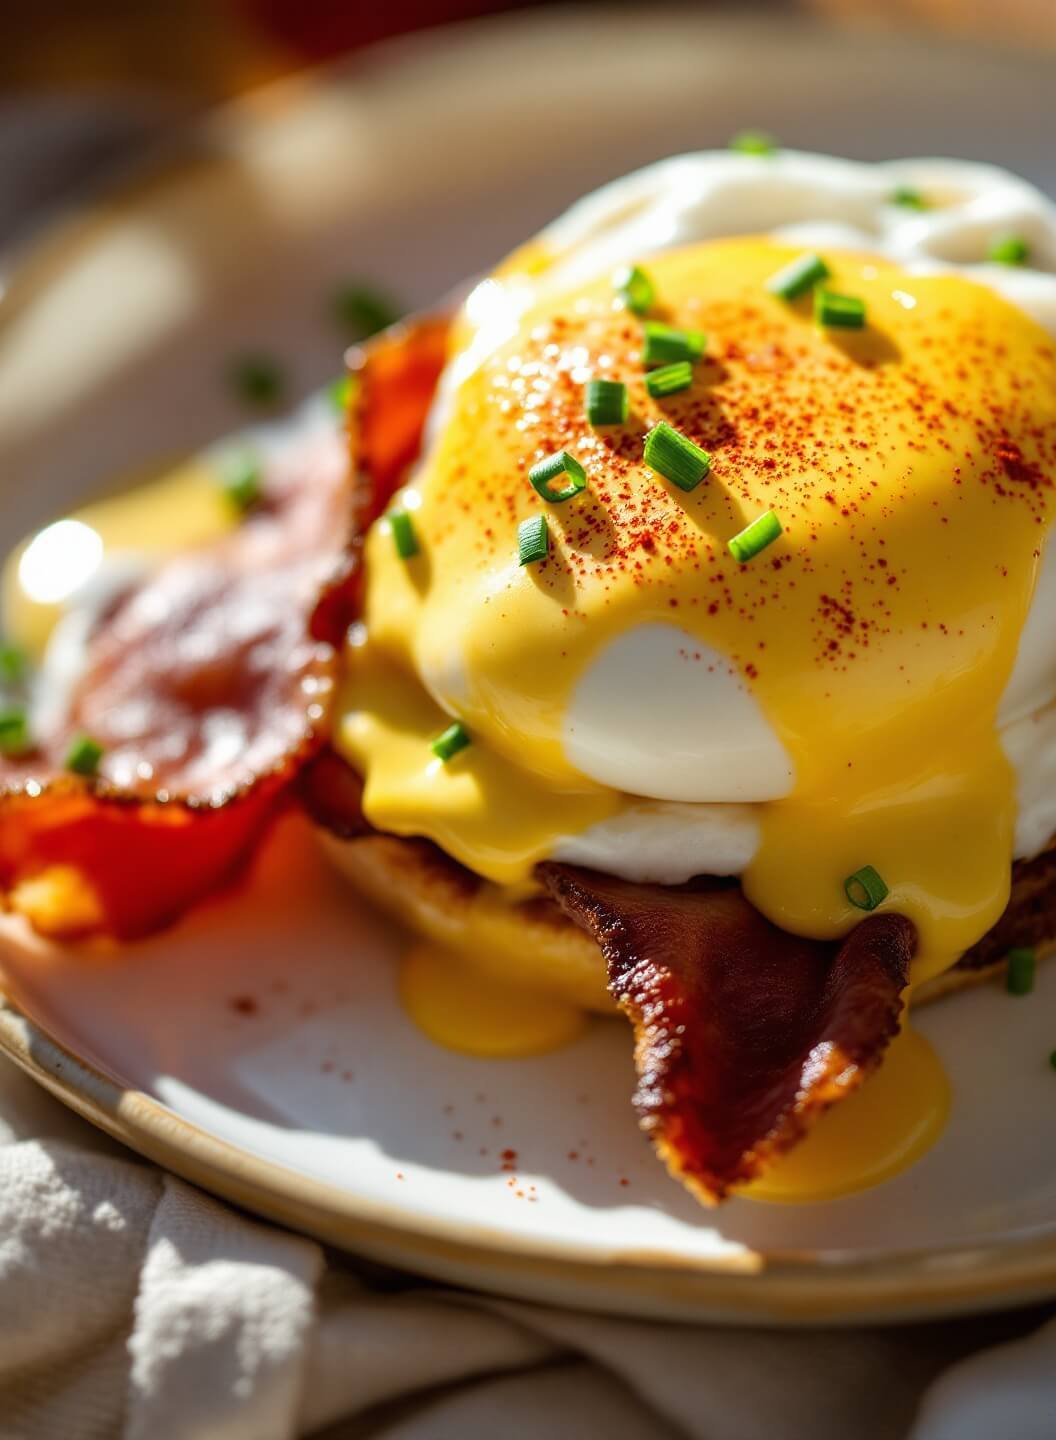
(798,277)
(533,539)
(1008,250)
(258,380)
(908,197)
(450,741)
(84,755)
(1019,977)
(14,664)
(14,731)
(755,537)
(635,287)
(339,392)
(404,537)
(675,457)
(753,142)
(664,344)
(1052,1059)
(606,402)
(361,311)
(669,379)
(240,479)
(546,471)
(865,889)
(845,312)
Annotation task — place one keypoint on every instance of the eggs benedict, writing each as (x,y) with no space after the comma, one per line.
(711,619)
(675,642)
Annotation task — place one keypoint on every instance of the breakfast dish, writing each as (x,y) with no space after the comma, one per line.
(674,642)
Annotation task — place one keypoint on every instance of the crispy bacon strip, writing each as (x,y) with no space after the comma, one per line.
(394,381)
(208,684)
(332,793)
(744,1034)
(396,377)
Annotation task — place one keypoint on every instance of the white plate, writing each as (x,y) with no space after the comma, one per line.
(259,1047)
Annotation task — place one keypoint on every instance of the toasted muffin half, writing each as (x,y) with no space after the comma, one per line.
(539,948)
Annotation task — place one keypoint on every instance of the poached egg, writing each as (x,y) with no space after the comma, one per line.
(640,701)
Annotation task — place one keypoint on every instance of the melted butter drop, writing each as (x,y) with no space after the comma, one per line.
(873,1135)
(169,511)
(463,1009)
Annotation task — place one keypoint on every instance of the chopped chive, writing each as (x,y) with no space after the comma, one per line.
(865,889)
(753,142)
(797,277)
(669,379)
(547,471)
(635,287)
(908,197)
(674,456)
(14,664)
(258,380)
(339,392)
(240,479)
(533,539)
(664,344)
(361,311)
(450,741)
(755,537)
(606,402)
(14,731)
(84,755)
(1008,250)
(1052,1059)
(404,537)
(846,312)
(1019,977)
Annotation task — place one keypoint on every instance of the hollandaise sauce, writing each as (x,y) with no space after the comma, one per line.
(472,1010)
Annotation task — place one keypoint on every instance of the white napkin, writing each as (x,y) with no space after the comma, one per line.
(133,1305)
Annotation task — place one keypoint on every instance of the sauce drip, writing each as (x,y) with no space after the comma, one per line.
(474,1012)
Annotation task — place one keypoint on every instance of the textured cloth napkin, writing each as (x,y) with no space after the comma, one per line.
(132,1305)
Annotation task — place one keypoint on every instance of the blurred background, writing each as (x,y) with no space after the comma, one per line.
(400,147)
(199,51)
(85,81)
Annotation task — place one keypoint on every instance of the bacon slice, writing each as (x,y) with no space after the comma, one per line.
(395,379)
(208,684)
(332,794)
(744,1034)
(393,384)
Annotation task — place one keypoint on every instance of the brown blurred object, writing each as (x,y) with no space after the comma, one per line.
(198,50)
(316,29)
(1010,22)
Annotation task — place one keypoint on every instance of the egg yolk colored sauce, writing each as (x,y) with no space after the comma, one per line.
(907,463)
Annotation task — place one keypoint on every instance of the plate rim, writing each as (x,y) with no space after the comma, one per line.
(785,1289)
(753,1287)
